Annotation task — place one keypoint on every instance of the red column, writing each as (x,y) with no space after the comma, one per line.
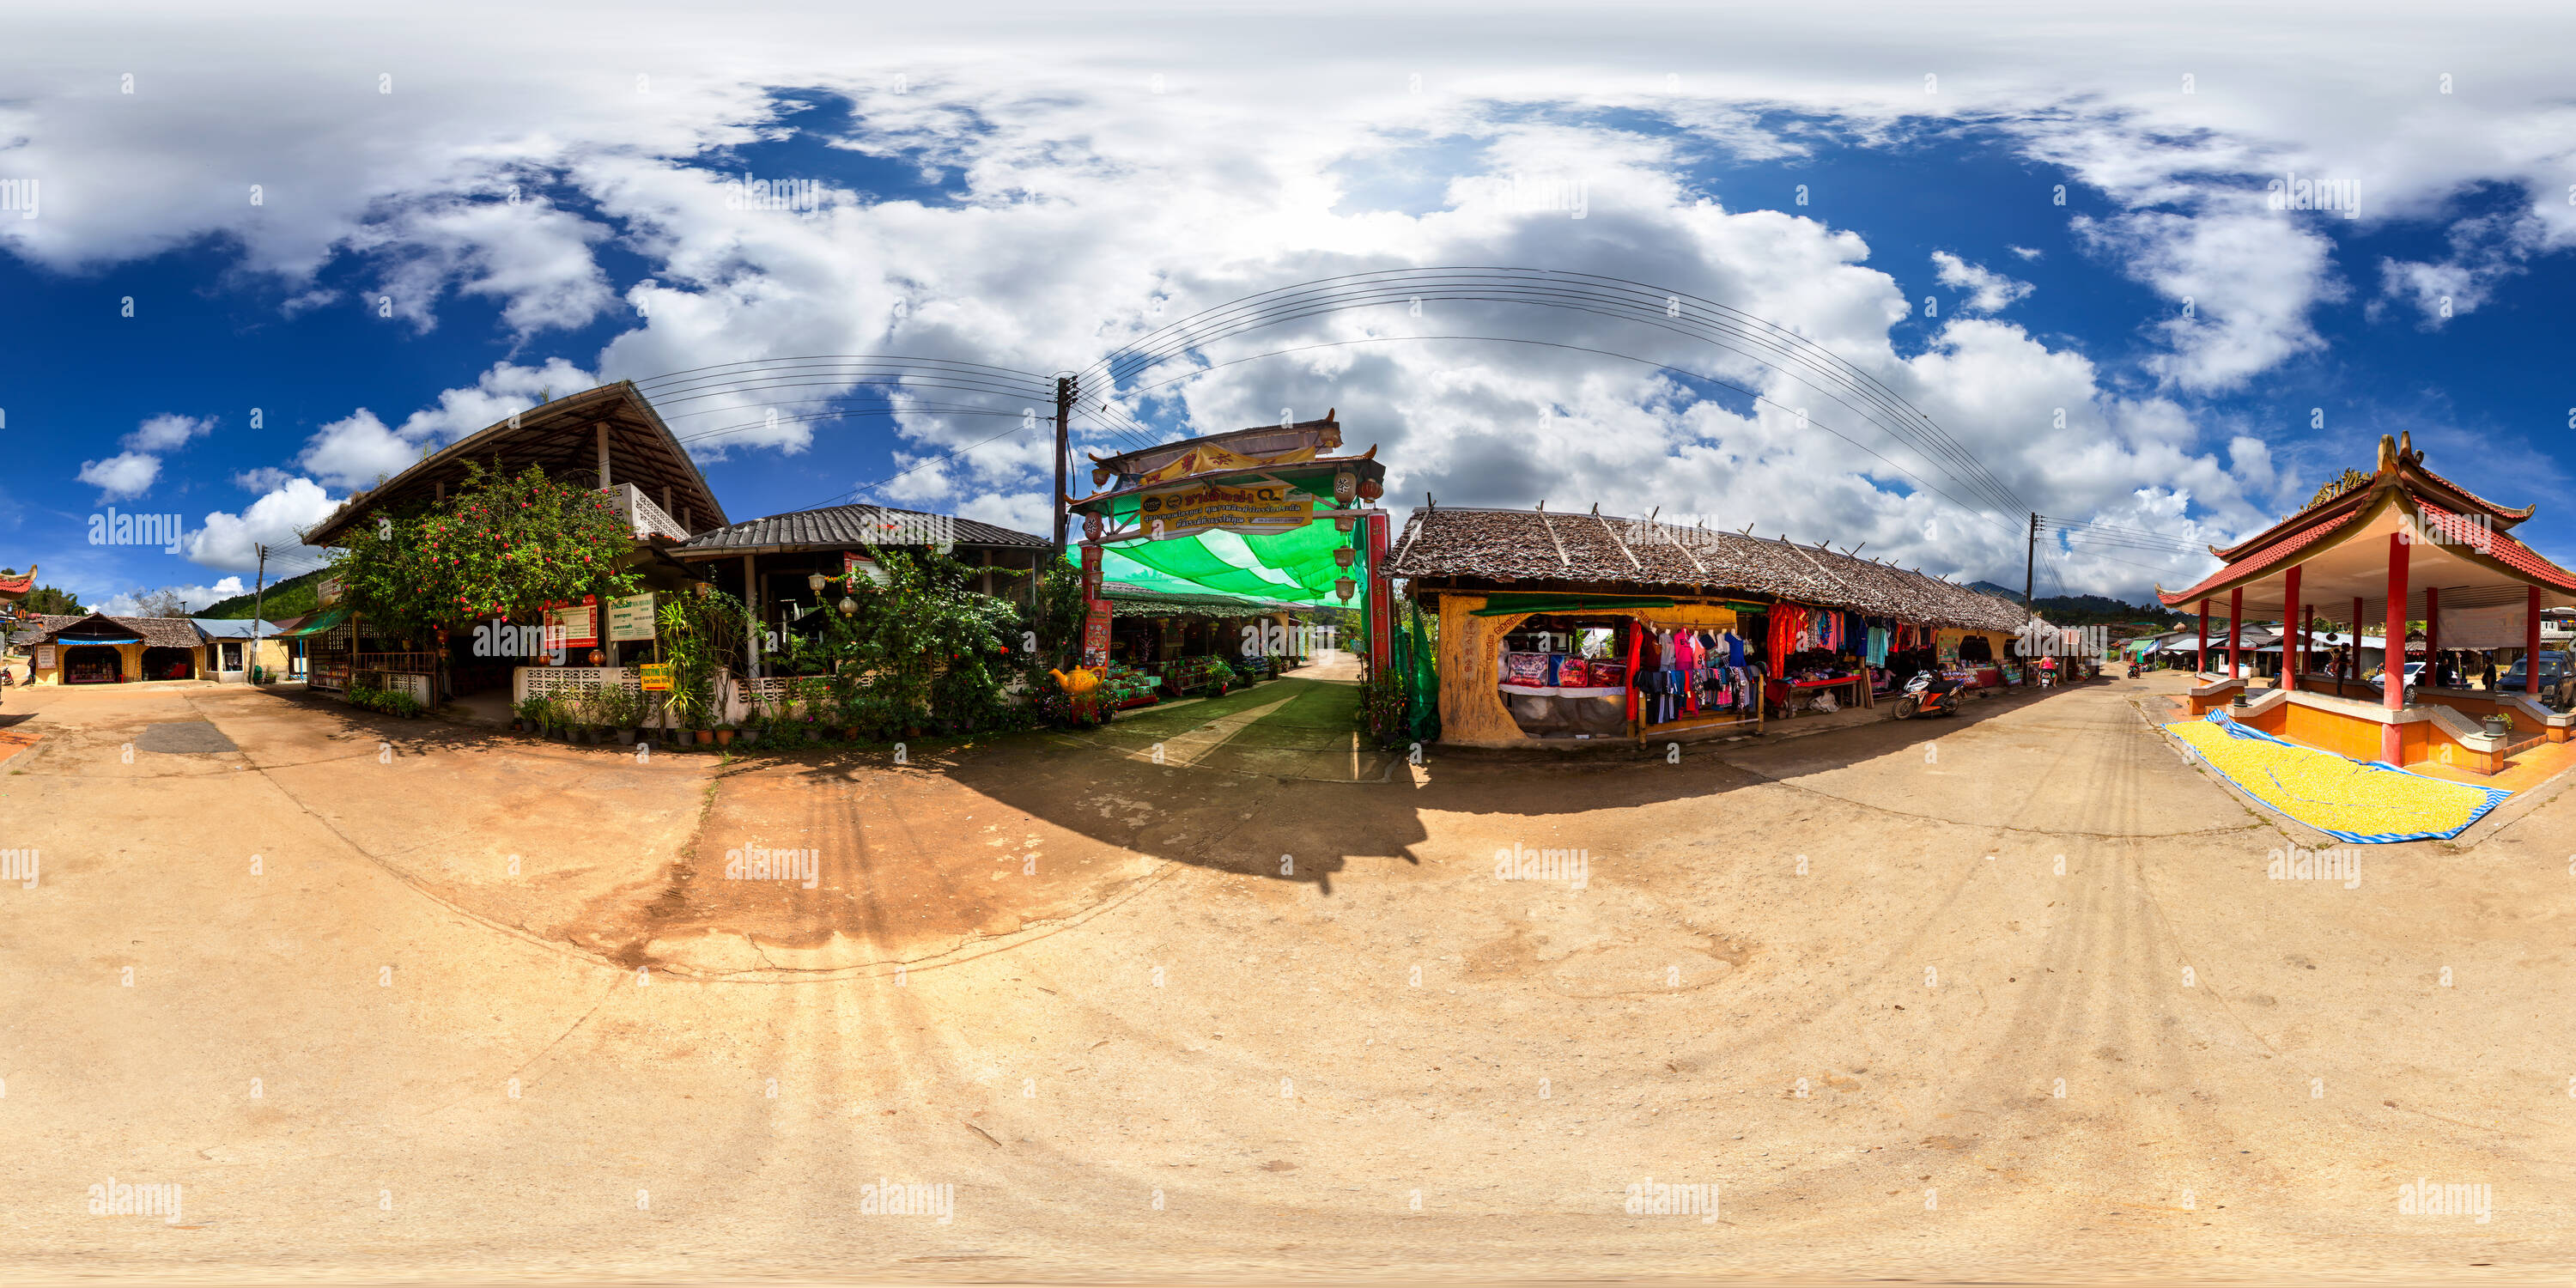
(2200,660)
(2392,654)
(2433,631)
(2235,612)
(2290,619)
(1381,598)
(2531,640)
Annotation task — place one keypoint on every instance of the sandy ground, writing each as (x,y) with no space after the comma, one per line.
(400,1000)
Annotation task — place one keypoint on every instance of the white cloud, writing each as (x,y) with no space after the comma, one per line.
(191,597)
(353,451)
(276,520)
(2484,252)
(2241,286)
(166,431)
(1988,291)
(123,475)
(2026,252)
(266,478)
(1081,194)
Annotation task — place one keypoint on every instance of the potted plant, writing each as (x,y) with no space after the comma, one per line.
(531,713)
(2500,725)
(753,730)
(724,735)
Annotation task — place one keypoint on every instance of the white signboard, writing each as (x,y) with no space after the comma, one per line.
(2499,627)
(44,657)
(630,618)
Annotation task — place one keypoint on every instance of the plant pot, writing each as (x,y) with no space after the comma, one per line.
(851,733)
(2496,727)
(629,737)
(724,737)
(751,737)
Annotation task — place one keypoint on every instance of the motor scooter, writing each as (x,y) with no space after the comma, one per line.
(1926,696)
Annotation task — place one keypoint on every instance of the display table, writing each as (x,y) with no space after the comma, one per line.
(1977,677)
(1799,695)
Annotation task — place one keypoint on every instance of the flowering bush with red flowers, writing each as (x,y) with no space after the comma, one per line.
(498,546)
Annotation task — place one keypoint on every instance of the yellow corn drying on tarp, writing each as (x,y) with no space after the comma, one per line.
(2368,802)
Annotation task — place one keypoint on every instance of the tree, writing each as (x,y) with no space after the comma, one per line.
(164,602)
(498,546)
(54,600)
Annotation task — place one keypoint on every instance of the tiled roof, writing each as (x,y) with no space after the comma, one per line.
(2501,546)
(1503,546)
(2495,543)
(844,527)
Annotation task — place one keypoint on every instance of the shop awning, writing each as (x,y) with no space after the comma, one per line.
(315,627)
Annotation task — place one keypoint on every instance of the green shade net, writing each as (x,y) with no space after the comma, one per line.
(1294,567)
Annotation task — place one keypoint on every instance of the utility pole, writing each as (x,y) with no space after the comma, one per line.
(258,617)
(2029,561)
(1064,394)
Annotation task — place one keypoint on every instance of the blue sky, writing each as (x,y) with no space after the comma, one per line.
(388,295)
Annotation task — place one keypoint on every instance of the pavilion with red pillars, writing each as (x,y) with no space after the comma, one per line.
(2393,546)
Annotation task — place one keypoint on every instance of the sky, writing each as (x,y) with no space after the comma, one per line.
(1930,268)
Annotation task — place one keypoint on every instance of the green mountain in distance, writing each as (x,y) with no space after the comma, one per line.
(293,597)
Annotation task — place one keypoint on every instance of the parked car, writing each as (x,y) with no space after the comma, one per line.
(2553,668)
(2414,671)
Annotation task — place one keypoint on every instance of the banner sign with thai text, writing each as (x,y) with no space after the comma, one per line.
(1251,511)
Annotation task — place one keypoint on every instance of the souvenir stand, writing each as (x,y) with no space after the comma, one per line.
(1527,599)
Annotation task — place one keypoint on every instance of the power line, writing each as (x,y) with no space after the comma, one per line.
(1779,350)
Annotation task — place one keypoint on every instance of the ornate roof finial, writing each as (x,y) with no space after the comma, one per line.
(2387,454)
(2406,445)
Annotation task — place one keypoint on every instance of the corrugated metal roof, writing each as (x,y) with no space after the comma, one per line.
(843,527)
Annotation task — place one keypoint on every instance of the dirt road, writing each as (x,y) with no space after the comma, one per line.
(2005,996)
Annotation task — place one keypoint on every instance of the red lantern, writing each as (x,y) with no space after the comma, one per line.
(1371,489)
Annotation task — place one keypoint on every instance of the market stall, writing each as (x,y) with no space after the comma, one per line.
(1703,633)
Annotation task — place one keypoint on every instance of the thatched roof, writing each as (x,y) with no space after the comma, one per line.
(1503,548)
(155,632)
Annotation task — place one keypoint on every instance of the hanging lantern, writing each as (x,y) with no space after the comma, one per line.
(1345,486)
(1091,527)
(1371,489)
(849,607)
(1344,587)
(815,583)
(1345,523)
(1343,555)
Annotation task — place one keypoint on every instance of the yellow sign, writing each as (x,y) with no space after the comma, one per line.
(1211,458)
(657,677)
(1252,510)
